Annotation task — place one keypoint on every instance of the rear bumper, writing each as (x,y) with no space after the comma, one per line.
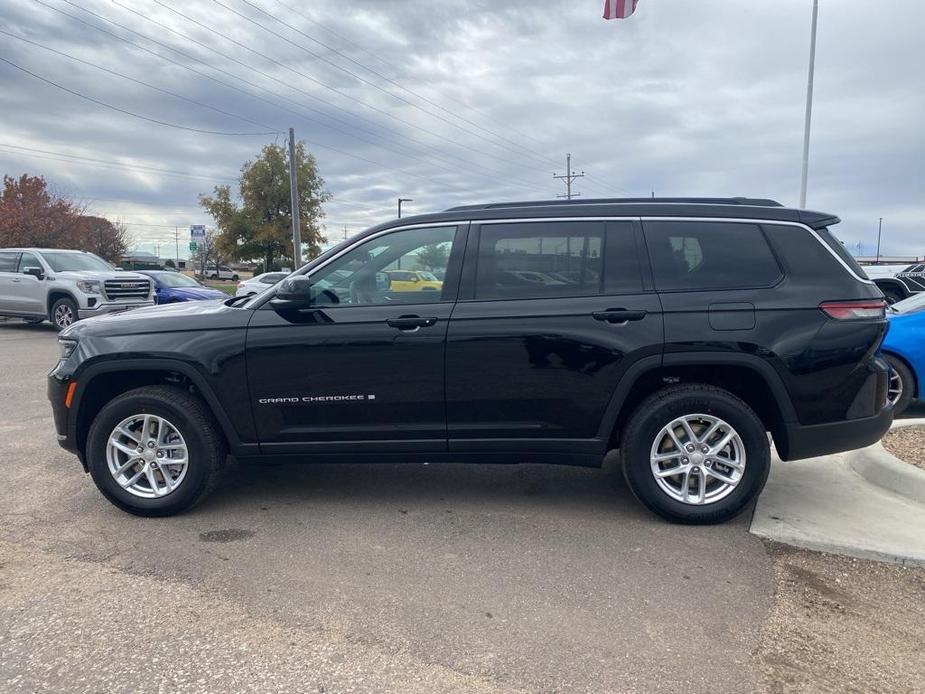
(799,441)
(100,309)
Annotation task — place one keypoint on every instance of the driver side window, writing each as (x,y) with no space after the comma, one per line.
(403,267)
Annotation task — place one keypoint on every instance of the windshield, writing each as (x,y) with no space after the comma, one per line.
(913,304)
(75,262)
(176,279)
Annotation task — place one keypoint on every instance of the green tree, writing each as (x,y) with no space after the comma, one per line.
(257,223)
(434,256)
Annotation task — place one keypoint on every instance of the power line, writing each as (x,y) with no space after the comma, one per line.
(122,110)
(264,74)
(541,158)
(137,81)
(303,75)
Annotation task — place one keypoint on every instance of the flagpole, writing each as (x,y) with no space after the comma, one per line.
(809,105)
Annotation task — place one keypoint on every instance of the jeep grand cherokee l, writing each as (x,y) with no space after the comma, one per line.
(681,332)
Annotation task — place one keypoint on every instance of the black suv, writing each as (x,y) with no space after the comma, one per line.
(679,331)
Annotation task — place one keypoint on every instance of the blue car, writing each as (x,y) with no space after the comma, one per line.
(171,287)
(904,349)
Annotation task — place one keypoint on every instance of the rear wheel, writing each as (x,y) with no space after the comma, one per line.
(695,454)
(902,384)
(892,294)
(155,451)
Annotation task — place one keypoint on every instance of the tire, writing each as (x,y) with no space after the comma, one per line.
(901,377)
(213,277)
(644,431)
(64,312)
(235,278)
(190,418)
(892,295)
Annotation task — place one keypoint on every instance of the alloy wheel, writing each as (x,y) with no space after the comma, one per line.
(895,388)
(697,459)
(147,456)
(64,316)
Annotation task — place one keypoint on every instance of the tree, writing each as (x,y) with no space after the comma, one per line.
(32,216)
(109,241)
(260,226)
(434,257)
(169,263)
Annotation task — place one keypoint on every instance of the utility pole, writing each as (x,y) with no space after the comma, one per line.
(176,240)
(568,177)
(294,197)
(345,232)
(400,201)
(809,104)
(879,231)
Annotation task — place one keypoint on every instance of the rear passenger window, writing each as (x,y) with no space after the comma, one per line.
(709,255)
(8,261)
(539,259)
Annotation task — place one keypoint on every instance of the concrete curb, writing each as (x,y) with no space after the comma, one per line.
(915,422)
(881,468)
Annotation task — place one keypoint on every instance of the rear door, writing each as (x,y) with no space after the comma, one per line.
(550,315)
(8,296)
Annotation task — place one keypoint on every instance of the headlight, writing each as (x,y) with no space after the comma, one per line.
(67,347)
(89,286)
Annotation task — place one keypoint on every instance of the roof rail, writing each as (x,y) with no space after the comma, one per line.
(758,202)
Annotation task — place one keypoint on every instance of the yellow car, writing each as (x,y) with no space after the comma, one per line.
(413,281)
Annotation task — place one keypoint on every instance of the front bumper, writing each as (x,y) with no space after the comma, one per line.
(100,309)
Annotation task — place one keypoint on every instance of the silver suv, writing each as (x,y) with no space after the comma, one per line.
(65,286)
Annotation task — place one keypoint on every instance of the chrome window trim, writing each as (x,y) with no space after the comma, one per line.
(599,218)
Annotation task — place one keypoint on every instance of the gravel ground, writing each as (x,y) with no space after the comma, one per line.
(908,444)
(843,625)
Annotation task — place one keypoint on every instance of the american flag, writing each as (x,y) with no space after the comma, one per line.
(619,9)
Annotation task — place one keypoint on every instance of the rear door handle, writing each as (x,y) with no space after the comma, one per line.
(618,315)
(411,323)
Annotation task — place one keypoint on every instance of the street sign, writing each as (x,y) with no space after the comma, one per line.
(193,246)
(197,231)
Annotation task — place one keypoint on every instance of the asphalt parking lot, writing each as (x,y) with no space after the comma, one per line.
(361,577)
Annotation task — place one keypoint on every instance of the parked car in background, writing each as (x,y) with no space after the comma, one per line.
(904,351)
(257,284)
(220,272)
(414,281)
(171,287)
(683,333)
(898,282)
(64,286)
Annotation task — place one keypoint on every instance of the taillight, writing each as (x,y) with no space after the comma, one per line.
(867,309)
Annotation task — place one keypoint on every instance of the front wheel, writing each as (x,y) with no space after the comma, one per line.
(64,312)
(695,454)
(155,451)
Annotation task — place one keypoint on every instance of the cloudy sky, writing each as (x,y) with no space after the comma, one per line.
(468,101)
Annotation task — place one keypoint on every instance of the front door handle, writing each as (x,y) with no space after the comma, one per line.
(618,315)
(410,323)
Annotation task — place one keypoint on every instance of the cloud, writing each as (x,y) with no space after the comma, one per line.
(684,98)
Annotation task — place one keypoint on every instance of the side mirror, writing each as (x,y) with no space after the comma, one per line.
(293,293)
(383,281)
(35,272)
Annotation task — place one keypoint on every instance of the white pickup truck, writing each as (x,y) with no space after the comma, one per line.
(63,286)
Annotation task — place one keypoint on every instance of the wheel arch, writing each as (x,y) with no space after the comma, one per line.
(54,295)
(748,377)
(99,383)
(893,283)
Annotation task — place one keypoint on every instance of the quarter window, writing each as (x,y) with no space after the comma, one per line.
(539,259)
(709,255)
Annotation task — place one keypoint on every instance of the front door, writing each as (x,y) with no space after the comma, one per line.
(549,317)
(362,370)
(29,289)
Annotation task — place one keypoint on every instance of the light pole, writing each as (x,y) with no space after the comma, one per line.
(879,231)
(809,104)
(400,201)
